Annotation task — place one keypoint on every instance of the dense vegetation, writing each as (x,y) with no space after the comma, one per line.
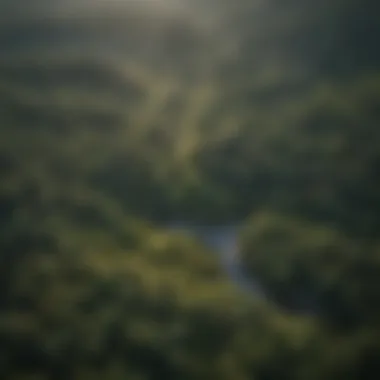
(115,121)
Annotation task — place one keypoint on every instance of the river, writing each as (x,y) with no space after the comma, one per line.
(225,242)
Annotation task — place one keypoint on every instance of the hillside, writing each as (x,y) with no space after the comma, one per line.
(120,117)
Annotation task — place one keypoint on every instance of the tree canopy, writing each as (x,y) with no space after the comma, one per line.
(116,120)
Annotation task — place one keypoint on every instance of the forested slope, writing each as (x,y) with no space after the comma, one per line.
(118,118)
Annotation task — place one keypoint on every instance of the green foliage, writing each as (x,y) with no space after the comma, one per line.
(268,114)
(307,265)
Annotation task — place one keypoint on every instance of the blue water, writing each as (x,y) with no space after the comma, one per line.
(224,241)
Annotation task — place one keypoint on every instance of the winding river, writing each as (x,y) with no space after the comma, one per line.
(224,241)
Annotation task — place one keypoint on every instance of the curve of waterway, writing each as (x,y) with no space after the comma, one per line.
(224,241)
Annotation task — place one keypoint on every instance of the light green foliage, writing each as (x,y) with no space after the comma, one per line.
(115,121)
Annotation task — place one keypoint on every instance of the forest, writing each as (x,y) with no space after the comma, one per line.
(119,118)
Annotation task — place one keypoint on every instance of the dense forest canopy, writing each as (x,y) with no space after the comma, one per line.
(120,117)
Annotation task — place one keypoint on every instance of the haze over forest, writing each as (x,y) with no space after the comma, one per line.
(121,117)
